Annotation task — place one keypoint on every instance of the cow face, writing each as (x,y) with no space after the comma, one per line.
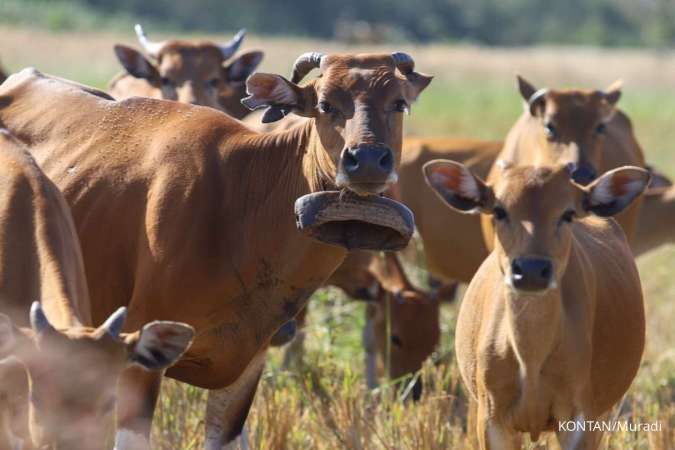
(414,332)
(73,373)
(572,126)
(194,73)
(534,209)
(357,105)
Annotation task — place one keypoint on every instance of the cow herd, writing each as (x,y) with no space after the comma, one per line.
(160,229)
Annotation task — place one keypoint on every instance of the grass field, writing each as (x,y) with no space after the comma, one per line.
(325,404)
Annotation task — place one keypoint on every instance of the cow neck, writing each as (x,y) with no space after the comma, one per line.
(534,323)
(656,224)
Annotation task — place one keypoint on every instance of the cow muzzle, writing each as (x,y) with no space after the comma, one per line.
(581,174)
(531,274)
(355,222)
(366,169)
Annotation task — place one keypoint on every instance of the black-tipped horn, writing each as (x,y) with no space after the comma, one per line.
(534,98)
(38,319)
(403,62)
(304,64)
(152,48)
(231,47)
(114,324)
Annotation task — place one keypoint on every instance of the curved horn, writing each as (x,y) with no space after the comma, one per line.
(152,48)
(304,64)
(38,319)
(534,98)
(403,62)
(231,47)
(114,324)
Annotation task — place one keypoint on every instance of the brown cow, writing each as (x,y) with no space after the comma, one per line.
(189,72)
(378,280)
(176,202)
(73,368)
(552,325)
(14,393)
(581,129)
(656,222)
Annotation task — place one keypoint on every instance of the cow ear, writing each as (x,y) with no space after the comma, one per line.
(613,93)
(417,82)
(243,66)
(526,88)
(135,63)
(7,337)
(279,95)
(614,191)
(458,187)
(159,344)
(534,98)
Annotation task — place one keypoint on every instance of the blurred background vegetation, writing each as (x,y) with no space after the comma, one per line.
(486,22)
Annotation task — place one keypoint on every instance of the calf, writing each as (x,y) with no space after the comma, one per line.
(579,128)
(189,72)
(552,325)
(173,201)
(73,367)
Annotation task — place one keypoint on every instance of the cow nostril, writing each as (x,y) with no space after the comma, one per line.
(349,161)
(386,161)
(546,272)
(516,270)
(583,175)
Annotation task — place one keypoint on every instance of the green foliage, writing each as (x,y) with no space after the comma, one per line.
(488,22)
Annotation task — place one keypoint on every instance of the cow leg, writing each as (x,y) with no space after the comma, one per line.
(227,409)
(370,346)
(138,391)
(579,438)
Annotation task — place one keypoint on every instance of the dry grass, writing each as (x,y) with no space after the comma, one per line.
(324,404)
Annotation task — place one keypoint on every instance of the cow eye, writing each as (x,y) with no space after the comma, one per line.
(213,82)
(600,129)
(401,106)
(500,213)
(568,216)
(166,81)
(551,132)
(326,108)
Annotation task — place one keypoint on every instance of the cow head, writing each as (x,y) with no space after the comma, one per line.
(534,210)
(412,334)
(73,373)
(572,126)
(194,73)
(357,105)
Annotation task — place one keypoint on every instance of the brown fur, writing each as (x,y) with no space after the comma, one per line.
(73,368)
(656,222)
(575,115)
(183,213)
(196,73)
(569,351)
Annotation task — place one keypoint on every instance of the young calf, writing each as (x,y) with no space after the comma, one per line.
(73,368)
(552,325)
